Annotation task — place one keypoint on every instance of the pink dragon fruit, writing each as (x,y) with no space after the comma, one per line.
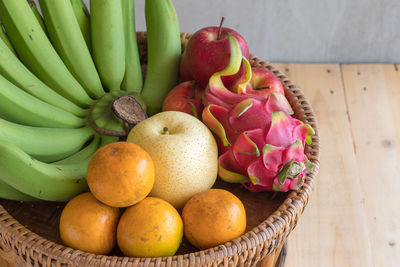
(259,142)
(270,158)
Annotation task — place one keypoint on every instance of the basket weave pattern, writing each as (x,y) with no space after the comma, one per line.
(25,248)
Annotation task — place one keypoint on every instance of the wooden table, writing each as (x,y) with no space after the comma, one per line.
(352,218)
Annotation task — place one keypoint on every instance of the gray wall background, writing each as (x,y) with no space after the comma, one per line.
(347,31)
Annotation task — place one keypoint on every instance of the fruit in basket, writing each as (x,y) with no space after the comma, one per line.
(83,17)
(20,107)
(262,83)
(151,228)
(120,174)
(260,143)
(207,52)
(271,157)
(89,225)
(70,44)
(58,181)
(4,38)
(186,97)
(9,192)
(37,53)
(213,217)
(17,73)
(163,53)
(108,43)
(133,80)
(189,96)
(52,110)
(217,93)
(229,122)
(184,153)
(35,11)
(46,144)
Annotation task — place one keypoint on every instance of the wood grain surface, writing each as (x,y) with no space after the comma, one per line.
(352,218)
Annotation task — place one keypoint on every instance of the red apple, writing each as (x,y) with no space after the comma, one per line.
(262,83)
(207,52)
(186,97)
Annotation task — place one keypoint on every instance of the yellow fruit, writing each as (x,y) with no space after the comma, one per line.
(151,228)
(213,217)
(185,156)
(89,225)
(120,174)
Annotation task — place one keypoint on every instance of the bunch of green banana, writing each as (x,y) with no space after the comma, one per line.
(41,180)
(20,107)
(16,72)
(65,35)
(37,53)
(59,76)
(47,144)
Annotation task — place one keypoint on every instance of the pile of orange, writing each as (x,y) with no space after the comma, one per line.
(120,176)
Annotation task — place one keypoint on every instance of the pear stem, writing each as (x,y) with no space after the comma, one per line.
(165,130)
(220,26)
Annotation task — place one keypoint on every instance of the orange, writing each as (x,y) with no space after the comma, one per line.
(89,225)
(213,217)
(151,228)
(120,174)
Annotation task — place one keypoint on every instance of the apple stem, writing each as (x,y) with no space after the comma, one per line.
(265,87)
(165,130)
(220,26)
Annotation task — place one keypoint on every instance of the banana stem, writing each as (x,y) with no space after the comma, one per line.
(103,131)
(129,110)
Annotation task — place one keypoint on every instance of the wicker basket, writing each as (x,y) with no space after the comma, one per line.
(29,231)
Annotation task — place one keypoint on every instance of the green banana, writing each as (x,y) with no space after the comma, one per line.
(82,16)
(68,41)
(37,53)
(39,18)
(41,180)
(4,38)
(18,106)
(83,154)
(108,45)
(45,144)
(9,192)
(164,52)
(133,80)
(14,71)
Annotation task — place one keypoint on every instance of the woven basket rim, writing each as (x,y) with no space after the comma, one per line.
(272,231)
